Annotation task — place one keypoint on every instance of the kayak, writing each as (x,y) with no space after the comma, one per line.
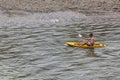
(77,44)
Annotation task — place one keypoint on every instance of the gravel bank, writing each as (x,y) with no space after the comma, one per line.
(60,5)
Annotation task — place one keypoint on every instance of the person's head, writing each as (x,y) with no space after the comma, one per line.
(90,35)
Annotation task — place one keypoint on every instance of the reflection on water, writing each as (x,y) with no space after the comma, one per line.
(32,47)
(90,53)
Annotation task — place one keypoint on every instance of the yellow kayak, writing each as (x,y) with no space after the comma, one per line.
(77,44)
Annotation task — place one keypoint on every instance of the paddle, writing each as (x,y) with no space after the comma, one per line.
(82,36)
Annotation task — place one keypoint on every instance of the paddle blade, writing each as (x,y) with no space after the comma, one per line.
(79,35)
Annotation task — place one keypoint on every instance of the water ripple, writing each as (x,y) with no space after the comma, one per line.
(33,47)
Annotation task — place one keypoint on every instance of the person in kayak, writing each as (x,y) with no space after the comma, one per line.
(89,41)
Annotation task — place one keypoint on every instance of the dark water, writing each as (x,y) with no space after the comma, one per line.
(32,47)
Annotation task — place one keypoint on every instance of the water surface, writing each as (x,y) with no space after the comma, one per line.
(32,46)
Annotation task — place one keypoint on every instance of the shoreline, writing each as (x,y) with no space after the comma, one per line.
(60,5)
(89,7)
(12,13)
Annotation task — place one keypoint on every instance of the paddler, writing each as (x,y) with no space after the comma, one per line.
(89,41)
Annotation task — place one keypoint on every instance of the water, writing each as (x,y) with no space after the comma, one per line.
(32,46)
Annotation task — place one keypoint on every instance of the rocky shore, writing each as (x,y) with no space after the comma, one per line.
(60,5)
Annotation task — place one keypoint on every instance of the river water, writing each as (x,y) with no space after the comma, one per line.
(32,46)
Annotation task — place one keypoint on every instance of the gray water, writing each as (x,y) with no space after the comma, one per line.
(32,46)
